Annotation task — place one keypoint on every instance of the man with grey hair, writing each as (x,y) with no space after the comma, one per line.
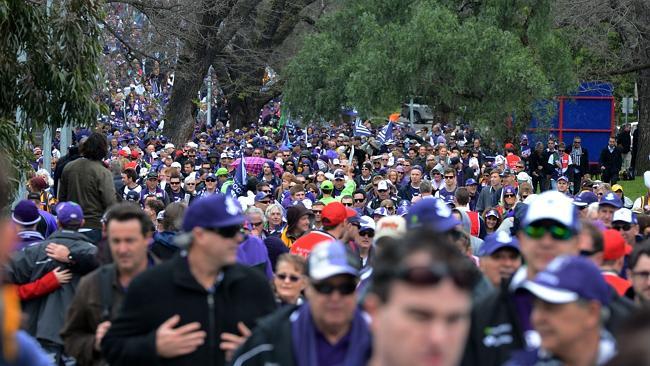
(426,191)
(274,245)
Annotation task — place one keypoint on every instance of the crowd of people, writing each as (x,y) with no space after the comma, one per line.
(345,244)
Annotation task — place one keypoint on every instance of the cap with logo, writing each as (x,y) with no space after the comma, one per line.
(335,213)
(553,206)
(611,199)
(261,196)
(214,211)
(367,223)
(568,279)
(152,175)
(331,258)
(496,241)
(433,214)
(339,175)
(492,213)
(509,190)
(563,178)
(380,211)
(69,212)
(470,182)
(382,185)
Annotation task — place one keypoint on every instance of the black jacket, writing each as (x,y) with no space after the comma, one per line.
(270,343)
(496,332)
(612,161)
(243,294)
(46,314)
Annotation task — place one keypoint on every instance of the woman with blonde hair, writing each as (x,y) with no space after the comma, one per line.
(289,280)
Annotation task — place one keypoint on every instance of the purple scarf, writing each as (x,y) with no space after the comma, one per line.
(303,334)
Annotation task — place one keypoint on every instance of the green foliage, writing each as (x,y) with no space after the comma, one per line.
(483,63)
(48,68)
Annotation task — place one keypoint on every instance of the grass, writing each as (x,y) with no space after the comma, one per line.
(633,188)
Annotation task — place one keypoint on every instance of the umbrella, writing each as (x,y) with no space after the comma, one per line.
(254,165)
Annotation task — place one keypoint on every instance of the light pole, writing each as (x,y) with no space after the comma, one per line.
(209,97)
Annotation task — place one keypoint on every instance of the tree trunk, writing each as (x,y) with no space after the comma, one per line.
(179,121)
(643,155)
(245,111)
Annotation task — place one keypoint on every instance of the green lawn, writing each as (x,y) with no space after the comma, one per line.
(633,188)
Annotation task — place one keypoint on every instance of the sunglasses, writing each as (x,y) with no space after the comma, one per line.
(624,227)
(368,233)
(449,177)
(190,184)
(283,277)
(348,204)
(345,288)
(509,195)
(316,212)
(174,183)
(359,200)
(256,224)
(462,276)
(227,231)
(211,180)
(557,232)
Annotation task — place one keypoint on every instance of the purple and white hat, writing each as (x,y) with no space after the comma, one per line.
(567,279)
(331,258)
(26,213)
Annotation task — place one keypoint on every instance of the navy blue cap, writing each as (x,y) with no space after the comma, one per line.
(338,174)
(431,213)
(496,241)
(509,190)
(470,182)
(611,199)
(570,278)
(214,211)
(585,198)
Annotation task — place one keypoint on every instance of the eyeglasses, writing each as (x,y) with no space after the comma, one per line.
(348,204)
(345,288)
(624,227)
(283,277)
(316,212)
(359,200)
(557,232)
(449,177)
(227,231)
(382,190)
(190,184)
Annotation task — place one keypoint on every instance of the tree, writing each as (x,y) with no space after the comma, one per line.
(48,69)
(612,41)
(484,61)
(239,38)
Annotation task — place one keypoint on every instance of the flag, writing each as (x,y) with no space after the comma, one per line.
(286,141)
(241,178)
(360,129)
(386,134)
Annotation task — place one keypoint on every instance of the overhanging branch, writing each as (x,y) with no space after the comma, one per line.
(630,69)
(127,44)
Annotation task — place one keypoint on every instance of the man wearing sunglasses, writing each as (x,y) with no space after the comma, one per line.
(410,325)
(175,313)
(328,329)
(500,321)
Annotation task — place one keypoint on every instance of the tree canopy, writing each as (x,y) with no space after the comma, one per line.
(481,60)
(48,69)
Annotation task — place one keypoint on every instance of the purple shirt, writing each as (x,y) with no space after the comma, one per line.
(331,354)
